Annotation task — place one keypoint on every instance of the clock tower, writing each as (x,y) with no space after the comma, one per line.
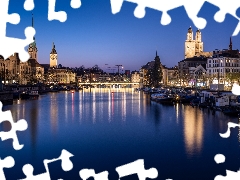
(199,43)
(53,57)
(32,49)
(189,44)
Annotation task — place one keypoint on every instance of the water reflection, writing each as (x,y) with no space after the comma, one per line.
(66,105)
(80,106)
(177,112)
(60,111)
(54,112)
(73,106)
(33,122)
(239,130)
(109,106)
(193,130)
(94,106)
(124,107)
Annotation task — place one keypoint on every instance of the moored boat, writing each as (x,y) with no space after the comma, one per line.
(6,98)
(164,98)
(33,94)
(231,111)
(24,95)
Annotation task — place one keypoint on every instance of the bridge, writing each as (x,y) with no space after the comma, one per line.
(119,84)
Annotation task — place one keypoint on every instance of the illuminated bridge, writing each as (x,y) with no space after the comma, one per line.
(110,84)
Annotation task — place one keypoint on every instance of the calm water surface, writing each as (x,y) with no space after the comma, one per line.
(104,130)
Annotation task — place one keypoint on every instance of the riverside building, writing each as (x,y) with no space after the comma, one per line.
(222,64)
(13,70)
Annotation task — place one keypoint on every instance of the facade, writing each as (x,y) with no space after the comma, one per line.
(135,77)
(13,70)
(198,76)
(164,80)
(183,68)
(194,47)
(143,73)
(222,65)
(172,75)
(61,76)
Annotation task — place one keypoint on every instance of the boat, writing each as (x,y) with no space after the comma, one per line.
(33,94)
(164,98)
(24,95)
(231,111)
(29,94)
(154,96)
(16,94)
(6,98)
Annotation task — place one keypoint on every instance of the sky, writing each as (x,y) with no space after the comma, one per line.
(93,35)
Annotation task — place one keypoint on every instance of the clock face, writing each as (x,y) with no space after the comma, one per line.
(189,37)
(53,56)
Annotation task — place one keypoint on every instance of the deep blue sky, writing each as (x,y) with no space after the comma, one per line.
(93,35)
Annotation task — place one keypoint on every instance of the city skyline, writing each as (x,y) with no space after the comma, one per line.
(93,35)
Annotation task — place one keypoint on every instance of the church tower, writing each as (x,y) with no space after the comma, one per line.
(190,44)
(32,49)
(53,57)
(230,45)
(199,43)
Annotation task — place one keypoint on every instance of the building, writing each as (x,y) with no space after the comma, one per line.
(198,76)
(194,47)
(172,75)
(184,67)
(59,75)
(144,73)
(164,80)
(13,70)
(224,66)
(135,77)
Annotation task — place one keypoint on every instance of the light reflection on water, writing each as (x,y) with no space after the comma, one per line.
(193,131)
(125,125)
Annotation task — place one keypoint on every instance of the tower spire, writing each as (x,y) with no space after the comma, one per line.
(33,25)
(230,45)
(32,19)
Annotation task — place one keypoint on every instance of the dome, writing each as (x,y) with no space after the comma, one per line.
(190,30)
(53,50)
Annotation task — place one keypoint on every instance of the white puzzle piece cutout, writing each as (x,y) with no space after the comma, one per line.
(87,173)
(7,162)
(67,165)
(137,167)
(29,5)
(230,125)
(236,89)
(60,15)
(230,175)
(20,125)
(11,45)
(192,9)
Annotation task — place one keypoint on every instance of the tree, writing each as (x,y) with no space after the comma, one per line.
(154,73)
(233,77)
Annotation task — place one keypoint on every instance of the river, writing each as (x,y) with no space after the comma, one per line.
(105,129)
